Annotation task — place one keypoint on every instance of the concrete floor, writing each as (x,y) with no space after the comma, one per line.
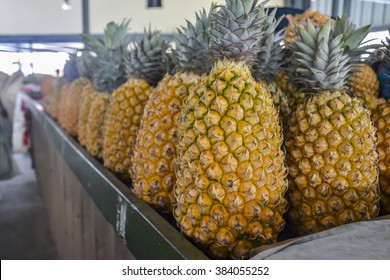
(24,224)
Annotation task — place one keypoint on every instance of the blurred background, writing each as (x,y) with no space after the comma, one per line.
(36,35)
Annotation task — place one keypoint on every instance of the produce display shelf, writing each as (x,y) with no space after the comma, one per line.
(145,232)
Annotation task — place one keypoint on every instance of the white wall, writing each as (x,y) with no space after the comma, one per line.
(172,14)
(19,17)
(167,19)
(31,17)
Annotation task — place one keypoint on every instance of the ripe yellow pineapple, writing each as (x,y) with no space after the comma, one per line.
(288,97)
(72,104)
(145,66)
(62,104)
(70,74)
(85,104)
(98,108)
(153,163)
(330,139)
(365,85)
(108,74)
(231,177)
(84,64)
(381,117)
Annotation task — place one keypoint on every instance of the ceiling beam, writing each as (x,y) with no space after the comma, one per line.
(85,16)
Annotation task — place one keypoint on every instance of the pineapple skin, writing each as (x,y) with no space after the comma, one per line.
(94,139)
(121,124)
(286,96)
(64,92)
(54,105)
(332,159)
(153,173)
(85,103)
(231,176)
(365,85)
(73,104)
(381,116)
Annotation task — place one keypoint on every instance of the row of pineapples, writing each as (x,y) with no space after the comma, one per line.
(199,128)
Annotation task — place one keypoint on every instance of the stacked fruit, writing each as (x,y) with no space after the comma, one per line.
(145,65)
(107,75)
(197,128)
(381,117)
(153,162)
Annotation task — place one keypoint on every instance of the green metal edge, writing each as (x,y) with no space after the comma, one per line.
(146,234)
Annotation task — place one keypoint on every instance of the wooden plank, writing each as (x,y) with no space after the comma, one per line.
(88,227)
(83,232)
(103,238)
(76,226)
(121,251)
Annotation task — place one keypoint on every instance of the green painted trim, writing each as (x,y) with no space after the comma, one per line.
(143,230)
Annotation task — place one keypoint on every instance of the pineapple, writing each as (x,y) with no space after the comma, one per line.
(270,61)
(73,103)
(62,104)
(153,163)
(330,138)
(362,81)
(145,66)
(269,69)
(381,116)
(84,67)
(108,74)
(70,74)
(290,97)
(97,111)
(365,85)
(85,104)
(283,79)
(318,19)
(230,189)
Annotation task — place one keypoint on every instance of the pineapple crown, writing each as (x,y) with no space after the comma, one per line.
(236,30)
(85,63)
(109,72)
(192,52)
(319,59)
(148,58)
(352,38)
(269,58)
(71,72)
(323,59)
